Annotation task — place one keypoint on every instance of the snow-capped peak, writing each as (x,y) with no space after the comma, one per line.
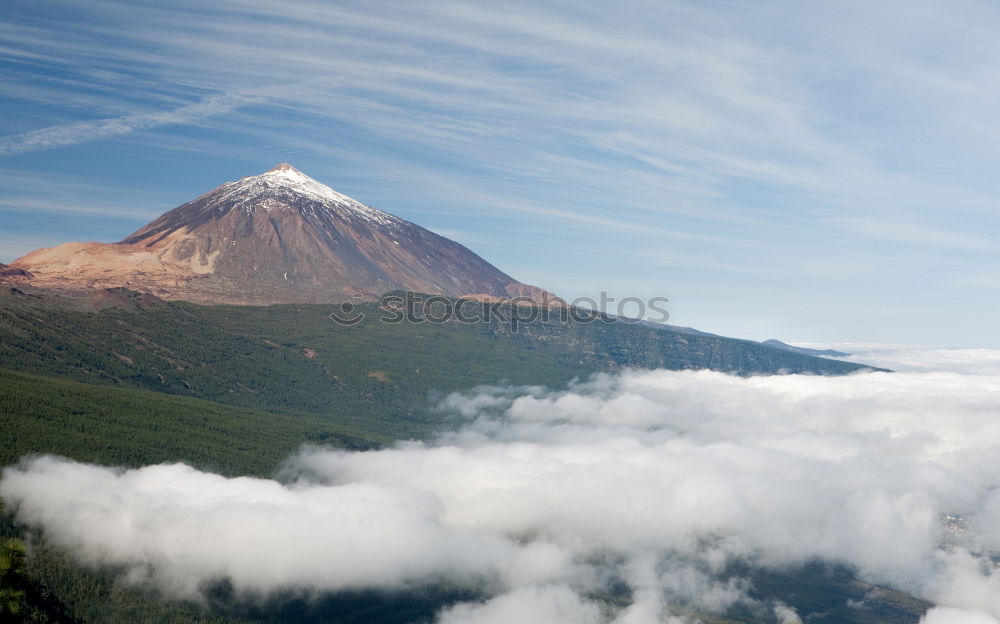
(288,176)
(288,172)
(285,176)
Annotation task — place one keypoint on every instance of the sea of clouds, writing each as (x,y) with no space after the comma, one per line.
(543,498)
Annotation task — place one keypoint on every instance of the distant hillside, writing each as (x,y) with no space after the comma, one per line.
(773,343)
(777,344)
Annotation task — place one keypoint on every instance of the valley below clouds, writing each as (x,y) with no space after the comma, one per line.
(663,485)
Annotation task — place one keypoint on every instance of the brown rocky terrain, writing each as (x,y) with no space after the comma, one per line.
(278,237)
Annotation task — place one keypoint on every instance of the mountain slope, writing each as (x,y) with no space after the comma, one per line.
(278,237)
(373,376)
(129,427)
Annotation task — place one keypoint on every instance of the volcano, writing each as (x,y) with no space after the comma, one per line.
(277,237)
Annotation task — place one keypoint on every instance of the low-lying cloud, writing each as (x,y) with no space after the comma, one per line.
(655,480)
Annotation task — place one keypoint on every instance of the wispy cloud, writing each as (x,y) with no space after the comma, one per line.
(83,131)
(686,108)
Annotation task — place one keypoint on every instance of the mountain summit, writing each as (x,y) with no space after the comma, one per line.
(277,237)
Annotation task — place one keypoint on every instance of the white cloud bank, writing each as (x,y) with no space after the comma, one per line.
(917,358)
(656,479)
(957,616)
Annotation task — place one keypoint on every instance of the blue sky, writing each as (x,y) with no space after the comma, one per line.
(820,171)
